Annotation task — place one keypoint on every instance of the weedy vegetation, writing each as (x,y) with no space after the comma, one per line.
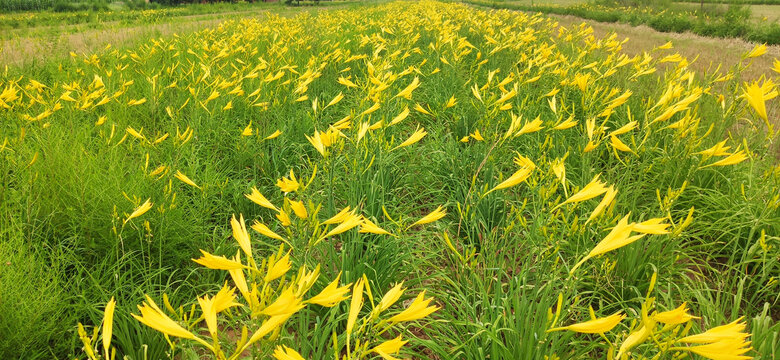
(399,180)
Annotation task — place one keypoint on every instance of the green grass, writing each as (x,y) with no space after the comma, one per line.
(497,263)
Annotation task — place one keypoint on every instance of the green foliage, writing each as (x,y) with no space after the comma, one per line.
(34,298)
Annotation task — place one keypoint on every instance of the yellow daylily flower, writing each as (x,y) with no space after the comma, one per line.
(299,209)
(153,317)
(179,175)
(340,217)
(418,134)
(732,330)
(518,177)
(674,317)
(218,262)
(406,93)
(285,303)
(732,159)
(418,309)
(355,306)
(259,199)
(619,236)
(277,267)
(593,189)
(433,216)
(533,126)
(605,201)
(288,185)
(247,130)
(595,326)
(400,117)
(241,235)
(390,297)
(332,294)
(757,51)
(367,226)
(140,210)
(108,324)
(282,352)
(389,347)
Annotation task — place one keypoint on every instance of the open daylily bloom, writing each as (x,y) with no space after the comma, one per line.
(732,159)
(264,230)
(277,267)
(282,352)
(757,95)
(211,306)
(389,347)
(619,236)
(261,200)
(286,303)
(651,226)
(418,309)
(331,294)
(179,175)
(594,188)
(726,349)
(367,226)
(219,262)
(674,317)
(348,223)
(732,330)
(595,326)
(518,177)
(153,317)
(340,217)
(415,137)
(719,149)
(406,93)
(288,185)
(140,210)
(531,127)
(433,216)
(605,201)
(391,297)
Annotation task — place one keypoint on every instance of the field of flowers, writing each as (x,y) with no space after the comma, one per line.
(661,15)
(403,180)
